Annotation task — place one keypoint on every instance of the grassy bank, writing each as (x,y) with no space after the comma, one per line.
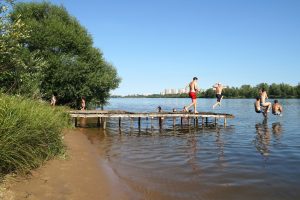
(30,133)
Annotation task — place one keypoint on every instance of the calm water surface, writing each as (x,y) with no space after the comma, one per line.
(251,158)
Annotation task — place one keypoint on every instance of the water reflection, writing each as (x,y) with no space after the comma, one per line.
(220,146)
(277,130)
(192,152)
(263,137)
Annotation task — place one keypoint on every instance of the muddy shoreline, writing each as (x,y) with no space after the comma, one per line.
(84,174)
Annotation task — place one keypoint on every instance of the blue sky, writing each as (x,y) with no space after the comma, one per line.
(161,44)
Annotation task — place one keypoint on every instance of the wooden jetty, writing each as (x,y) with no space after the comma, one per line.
(103,115)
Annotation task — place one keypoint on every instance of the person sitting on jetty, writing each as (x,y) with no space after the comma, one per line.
(263,97)
(193,87)
(258,107)
(218,87)
(159,109)
(277,108)
(83,104)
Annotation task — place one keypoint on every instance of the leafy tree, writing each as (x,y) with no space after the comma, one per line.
(75,68)
(209,93)
(19,69)
(298,90)
(274,90)
(263,86)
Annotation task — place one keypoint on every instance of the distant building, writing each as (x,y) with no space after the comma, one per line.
(168,91)
(182,91)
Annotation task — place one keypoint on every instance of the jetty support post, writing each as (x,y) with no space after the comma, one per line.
(151,122)
(174,121)
(76,122)
(139,122)
(104,123)
(202,121)
(98,121)
(225,121)
(120,122)
(131,122)
(160,122)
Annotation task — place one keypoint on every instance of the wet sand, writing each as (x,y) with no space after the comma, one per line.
(83,175)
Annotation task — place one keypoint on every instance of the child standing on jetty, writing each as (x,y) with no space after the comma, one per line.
(193,87)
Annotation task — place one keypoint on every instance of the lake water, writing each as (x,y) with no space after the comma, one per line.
(251,158)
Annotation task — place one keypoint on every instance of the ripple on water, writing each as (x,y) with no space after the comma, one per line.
(251,158)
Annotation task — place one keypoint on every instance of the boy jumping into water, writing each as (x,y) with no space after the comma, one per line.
(218,88)
(263,97)
(276,108)
(193,86)
(258,108)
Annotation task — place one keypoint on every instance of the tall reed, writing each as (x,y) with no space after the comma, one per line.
(30,133)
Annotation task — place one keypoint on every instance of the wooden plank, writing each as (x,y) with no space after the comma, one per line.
(145,115)
(155,114)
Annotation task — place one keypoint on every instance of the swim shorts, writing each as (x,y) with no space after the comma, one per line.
(258,111)
(277,113)
(193,95)
(219,97)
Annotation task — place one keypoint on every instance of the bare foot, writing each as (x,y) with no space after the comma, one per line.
(196,112)
(265,114)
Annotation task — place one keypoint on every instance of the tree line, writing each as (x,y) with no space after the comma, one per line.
(274,90)
(44,50)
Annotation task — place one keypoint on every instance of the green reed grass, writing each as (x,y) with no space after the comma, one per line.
(30,133)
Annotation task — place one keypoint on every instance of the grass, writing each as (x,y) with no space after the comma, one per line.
(30,133)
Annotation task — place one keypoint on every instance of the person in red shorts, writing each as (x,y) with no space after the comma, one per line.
(193,86)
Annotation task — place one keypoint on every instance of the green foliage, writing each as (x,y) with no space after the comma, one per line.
(298,90)
(209,93)
(20,70)
(30,133)
(75,68)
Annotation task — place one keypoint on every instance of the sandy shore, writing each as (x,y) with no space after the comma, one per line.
(83,175)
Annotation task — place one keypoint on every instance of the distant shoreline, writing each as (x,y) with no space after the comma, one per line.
(167,97)
(275,91)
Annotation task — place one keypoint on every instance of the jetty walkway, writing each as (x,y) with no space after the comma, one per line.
(103,115)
